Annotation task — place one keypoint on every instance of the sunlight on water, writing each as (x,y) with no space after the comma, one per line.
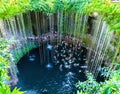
(49,47)
(49,66)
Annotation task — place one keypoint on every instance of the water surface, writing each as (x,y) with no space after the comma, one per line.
(38,76)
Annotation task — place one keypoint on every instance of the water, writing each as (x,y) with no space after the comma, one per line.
(34,24)
(38,76)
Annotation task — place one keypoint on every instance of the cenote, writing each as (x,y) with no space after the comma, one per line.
(59,47)
(39,76)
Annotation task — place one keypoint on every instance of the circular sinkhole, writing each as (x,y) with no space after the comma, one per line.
(52,68)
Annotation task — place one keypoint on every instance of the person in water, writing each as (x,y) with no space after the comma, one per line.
(68,55)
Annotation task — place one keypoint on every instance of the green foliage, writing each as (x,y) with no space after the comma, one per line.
(47,6)
(5,59)
(72,5)
(111,86)
(88,87)
(5,89)
(19,52)
(108,10)
(9,8)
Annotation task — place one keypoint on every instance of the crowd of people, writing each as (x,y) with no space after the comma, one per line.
(69,55)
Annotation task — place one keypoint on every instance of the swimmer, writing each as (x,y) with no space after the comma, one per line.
(57,62)
(80,71)
(61,67)
(76,65)
(84,67)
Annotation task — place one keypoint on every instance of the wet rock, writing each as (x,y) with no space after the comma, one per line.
(13,81)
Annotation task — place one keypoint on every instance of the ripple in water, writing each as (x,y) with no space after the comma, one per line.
(44,77)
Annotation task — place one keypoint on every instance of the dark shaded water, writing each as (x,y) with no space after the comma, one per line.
(39,75)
